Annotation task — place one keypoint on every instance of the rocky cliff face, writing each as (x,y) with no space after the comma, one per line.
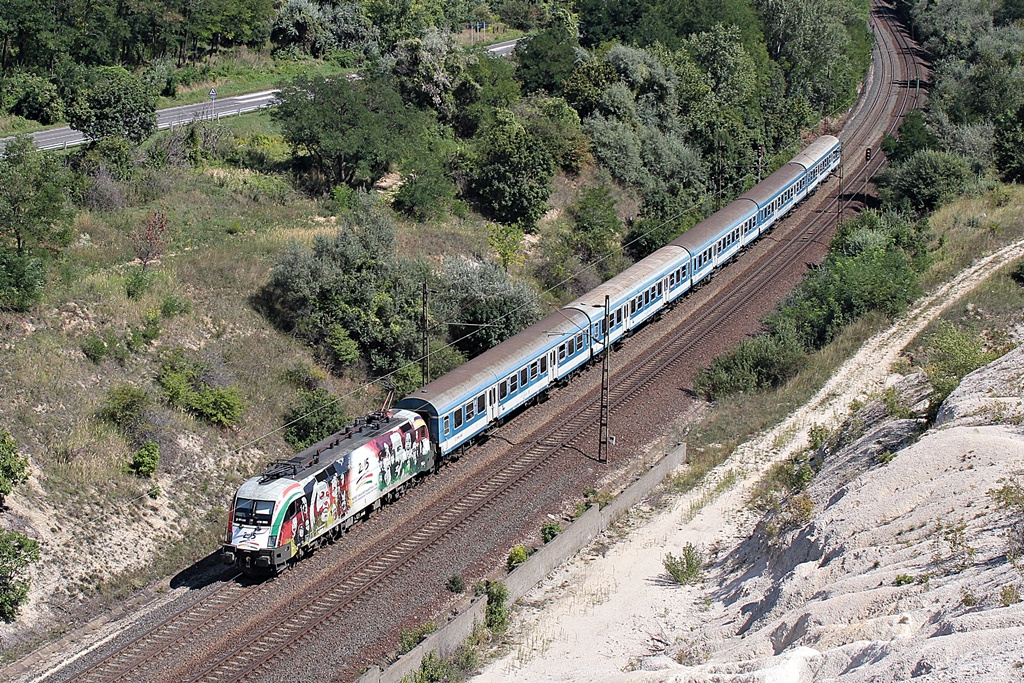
(910,564)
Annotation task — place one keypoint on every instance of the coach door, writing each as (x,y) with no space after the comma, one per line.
(492,405)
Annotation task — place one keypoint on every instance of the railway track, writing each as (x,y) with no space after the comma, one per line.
(145,657)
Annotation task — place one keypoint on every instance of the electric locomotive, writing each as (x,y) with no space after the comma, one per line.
(295,505)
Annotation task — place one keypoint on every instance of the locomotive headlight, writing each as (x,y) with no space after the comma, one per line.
(272,542)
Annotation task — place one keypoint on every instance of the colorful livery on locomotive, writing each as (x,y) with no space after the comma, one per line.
(297,504)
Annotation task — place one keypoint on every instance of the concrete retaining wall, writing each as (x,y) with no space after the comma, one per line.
(563,546)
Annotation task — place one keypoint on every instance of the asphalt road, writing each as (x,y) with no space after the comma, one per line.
(62,138)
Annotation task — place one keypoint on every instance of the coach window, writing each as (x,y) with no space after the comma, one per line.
(513,383)
(524,377)
(534,370)
(570,347)
(480,403)
(561,352)
(502,391)
(660,289)
(447,425)
(579,341)
(618,316)
(543,364)
(469,411)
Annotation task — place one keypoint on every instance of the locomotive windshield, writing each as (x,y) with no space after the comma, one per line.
(249,511)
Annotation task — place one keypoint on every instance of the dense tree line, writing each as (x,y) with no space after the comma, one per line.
(970,134)
(973,126)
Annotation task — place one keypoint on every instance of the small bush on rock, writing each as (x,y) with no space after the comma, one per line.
(145,460)
(688,567)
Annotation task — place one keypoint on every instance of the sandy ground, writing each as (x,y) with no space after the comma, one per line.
(822,603)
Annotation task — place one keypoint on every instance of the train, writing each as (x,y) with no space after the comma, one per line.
(296,505)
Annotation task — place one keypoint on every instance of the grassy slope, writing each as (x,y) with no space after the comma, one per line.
(228,226)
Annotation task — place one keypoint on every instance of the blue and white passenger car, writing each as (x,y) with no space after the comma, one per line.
(484,391)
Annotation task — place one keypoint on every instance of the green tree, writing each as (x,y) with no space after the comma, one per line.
(342,345)
(513,177)
(928,178)
(488,85)
(913,136)
(354,279)
(13,465)
(315,416)
(1009,146)
(557,125)
(398,20)
(507,242)
(595,236)
(428,69)
(484,306)
(545,61)
(17,553)
(352,130)
(34,213)
(116,104)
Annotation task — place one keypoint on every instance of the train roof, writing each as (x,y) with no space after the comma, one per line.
(475,375)
(281,474)
(767,189)
(815,151)
(711,228)
(626,283)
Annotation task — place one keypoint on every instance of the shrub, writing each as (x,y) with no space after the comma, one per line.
(145,460)
(456,584)
(17,552)
(136,283)
(222,406)
(497,612)
(593,497)
(1009,595)
(410,638)
(1017,274)
(173,305)
(315,416)
(928,178)
(13,465)
(818,435)
(952,355)
(549,530)
(94,348)
(183,385)
(885,457)
(125,407)
(342,345)
(22,279)
(758,363)
(781,480)
(904,579)
(688,567)
(894,404)
(148,332)
(516,556)
(424,195)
